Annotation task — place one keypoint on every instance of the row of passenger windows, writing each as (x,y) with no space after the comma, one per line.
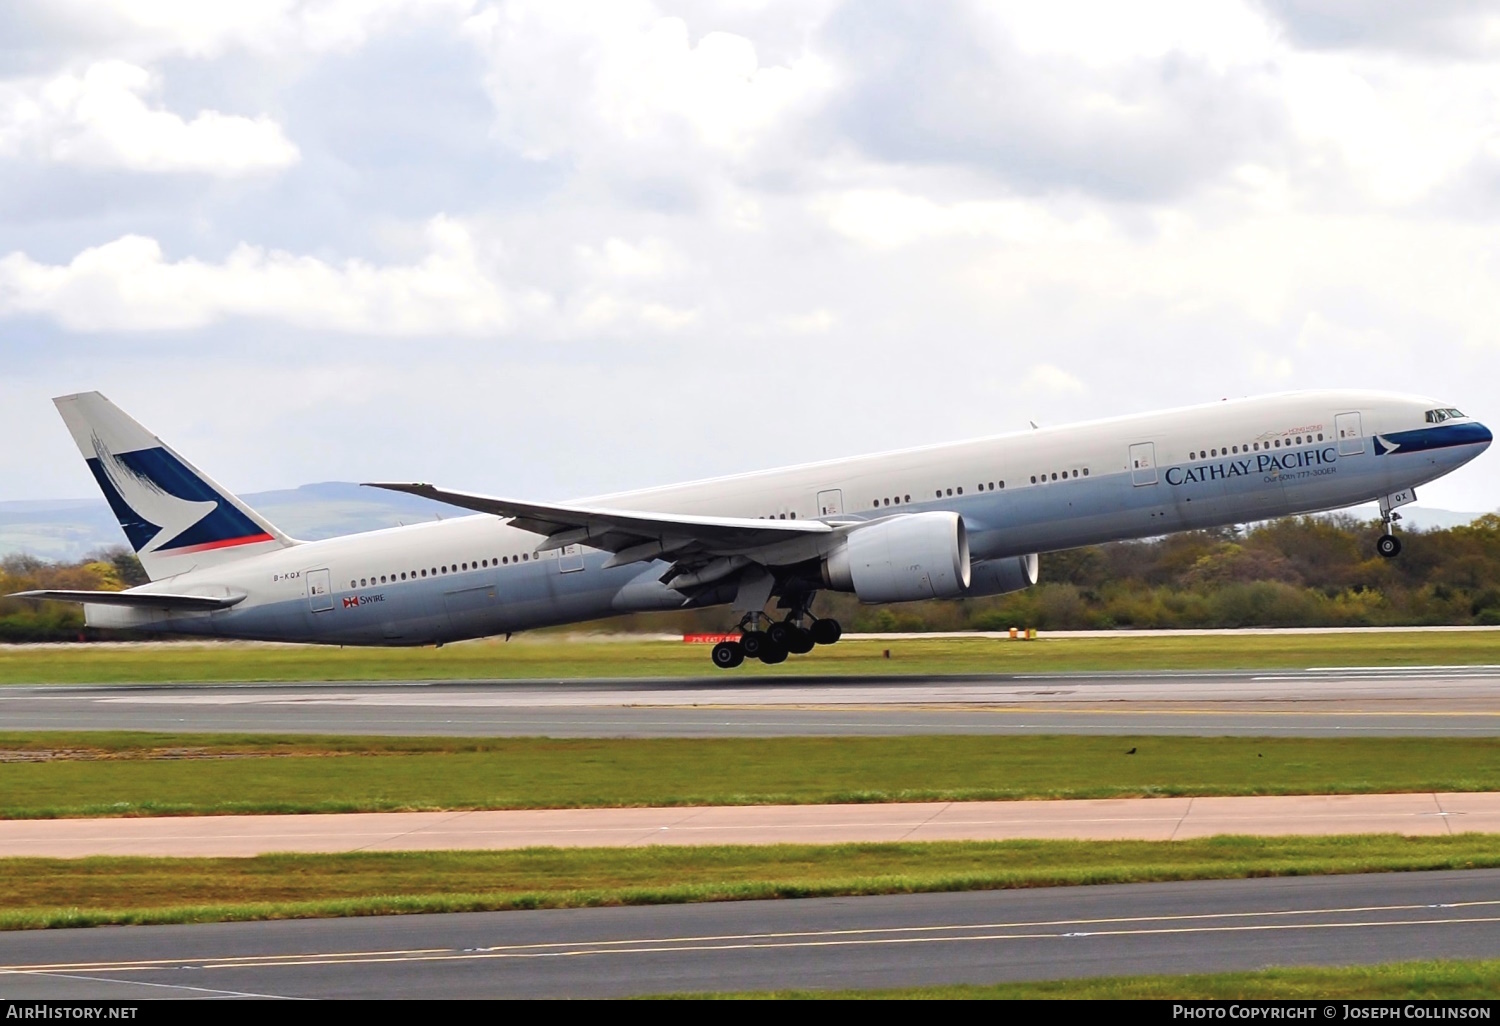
(438,571)
(1277,443)
(1059,475)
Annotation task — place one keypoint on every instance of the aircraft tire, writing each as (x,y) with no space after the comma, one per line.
(780,634)
(800,641)
(1388,546)
(752,643)
(772,654)
(826,632)
(728,654)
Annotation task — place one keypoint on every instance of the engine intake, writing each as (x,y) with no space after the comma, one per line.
(917,556)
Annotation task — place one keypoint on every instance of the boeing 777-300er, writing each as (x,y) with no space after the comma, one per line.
(942,521)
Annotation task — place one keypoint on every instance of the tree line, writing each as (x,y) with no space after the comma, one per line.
(1293,572)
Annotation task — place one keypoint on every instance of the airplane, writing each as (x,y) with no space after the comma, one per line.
(943,521)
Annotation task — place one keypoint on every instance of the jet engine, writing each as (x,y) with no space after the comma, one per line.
(917,556)
(998,576)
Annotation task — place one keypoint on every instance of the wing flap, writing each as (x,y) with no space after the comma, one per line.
(136,599)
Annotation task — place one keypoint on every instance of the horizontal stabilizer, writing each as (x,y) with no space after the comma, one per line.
(136,599)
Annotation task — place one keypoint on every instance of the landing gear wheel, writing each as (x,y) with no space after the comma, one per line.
(753,643)
(772,654)
(728,654)
(825,632)
(780,634)
(800,642)
(1388,546)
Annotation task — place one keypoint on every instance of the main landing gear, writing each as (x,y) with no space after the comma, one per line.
(779,639)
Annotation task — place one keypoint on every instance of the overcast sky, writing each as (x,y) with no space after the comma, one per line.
(549,249)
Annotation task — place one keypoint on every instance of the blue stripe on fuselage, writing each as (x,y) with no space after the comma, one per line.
(1443,436)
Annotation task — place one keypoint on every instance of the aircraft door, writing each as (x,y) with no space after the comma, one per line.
(1143,463)
(319,591)
(831,502)
(1351,437)
(569,559)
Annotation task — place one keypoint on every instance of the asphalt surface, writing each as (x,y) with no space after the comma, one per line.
(1429,701)
(873,942)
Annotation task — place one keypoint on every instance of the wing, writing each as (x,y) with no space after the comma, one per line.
(139,599)
(701,548)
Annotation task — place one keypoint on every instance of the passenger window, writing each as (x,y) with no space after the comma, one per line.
(1054,476)
(363,583)
(1033,479)
(354,584)
(1320,436)
(960,489)
(950,491)
(1075,473)
(526,556)
(906,498)
(1085,471)
(1002,484)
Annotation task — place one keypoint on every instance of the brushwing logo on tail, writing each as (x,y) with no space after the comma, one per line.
(164,507)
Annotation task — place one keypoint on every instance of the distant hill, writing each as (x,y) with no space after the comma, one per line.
(68,529)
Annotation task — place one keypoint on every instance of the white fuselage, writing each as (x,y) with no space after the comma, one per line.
(1033,491)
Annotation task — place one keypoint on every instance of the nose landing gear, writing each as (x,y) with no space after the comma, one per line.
(1388,545)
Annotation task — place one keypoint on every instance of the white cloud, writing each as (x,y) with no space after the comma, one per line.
(814,322)
(1048,380)
(149,28)
(888,218)
(100,118)
(128,285)
(617,258)
(593,78)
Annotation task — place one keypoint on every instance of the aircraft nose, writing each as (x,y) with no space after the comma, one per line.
(1482,435)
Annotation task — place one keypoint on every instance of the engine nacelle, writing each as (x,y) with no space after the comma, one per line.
(918,556)
(998,576)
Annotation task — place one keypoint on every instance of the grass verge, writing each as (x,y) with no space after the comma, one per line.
(44,893)
(1458,980)
(561,659)
(53,774)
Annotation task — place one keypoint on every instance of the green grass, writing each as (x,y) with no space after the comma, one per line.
(101,774)
(1457,980)
(39,893)
(551,658)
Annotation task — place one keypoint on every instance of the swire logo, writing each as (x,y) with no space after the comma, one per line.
(362,600)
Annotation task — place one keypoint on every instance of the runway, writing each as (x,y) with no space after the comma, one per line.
(872,942)
(1449,701)
(1145,819)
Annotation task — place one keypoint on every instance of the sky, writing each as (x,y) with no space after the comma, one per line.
(549,249)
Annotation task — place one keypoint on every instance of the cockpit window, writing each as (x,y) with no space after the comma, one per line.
(1455,414)
(1438,416)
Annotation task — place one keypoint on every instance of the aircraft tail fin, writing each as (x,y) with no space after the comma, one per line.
(175,516)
